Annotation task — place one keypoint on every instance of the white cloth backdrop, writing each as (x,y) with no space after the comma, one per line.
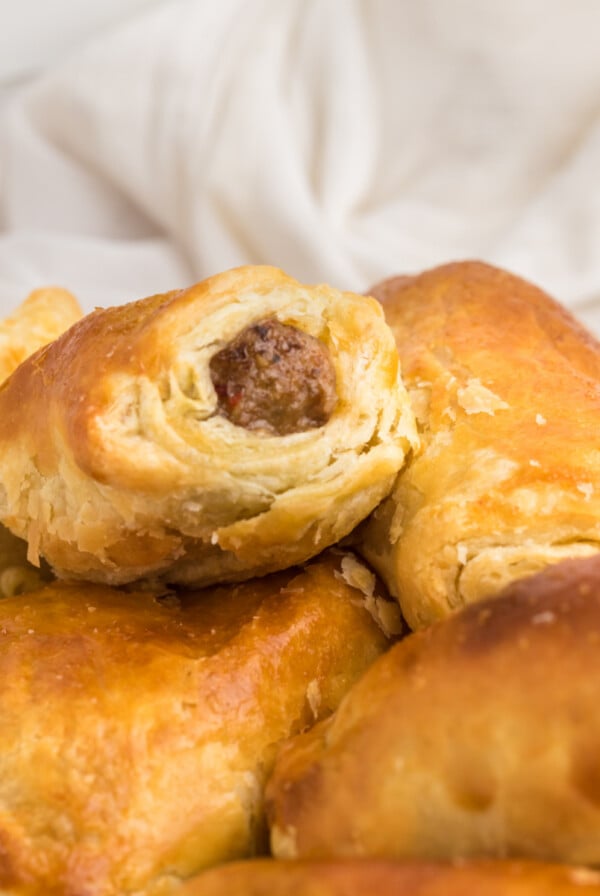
(343,140)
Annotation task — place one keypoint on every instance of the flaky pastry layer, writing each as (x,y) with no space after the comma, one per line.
(116,462)
(43,316)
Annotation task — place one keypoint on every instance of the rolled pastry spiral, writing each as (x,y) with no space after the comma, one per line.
(211,434)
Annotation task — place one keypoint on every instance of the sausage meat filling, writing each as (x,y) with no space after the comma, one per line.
(274,377)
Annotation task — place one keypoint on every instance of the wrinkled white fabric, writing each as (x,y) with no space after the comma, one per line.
(343,140)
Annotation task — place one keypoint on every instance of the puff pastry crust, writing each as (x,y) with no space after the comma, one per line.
(367,877)
(43,316)
(40,318)
(478,736)
(118,463)
(506,388)
(136,732)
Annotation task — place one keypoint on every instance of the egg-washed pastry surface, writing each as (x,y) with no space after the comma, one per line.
(40,318)
(226,430)
(378,877)
(479,736)
(506,388)
(136,732)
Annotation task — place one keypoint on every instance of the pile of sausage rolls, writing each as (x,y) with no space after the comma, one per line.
(300,591)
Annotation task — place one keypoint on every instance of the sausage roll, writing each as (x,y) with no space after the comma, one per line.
(230,429)
(136,732)
(40,318)
(378,877)
(477,736)
(506,388)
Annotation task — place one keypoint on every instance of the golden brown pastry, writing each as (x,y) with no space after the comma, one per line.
(40,318)
(506,388)
(479,736)
(378,877)
(136,732)
(226,430)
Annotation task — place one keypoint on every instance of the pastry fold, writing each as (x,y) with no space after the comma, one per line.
(476,737)
(227,430)
(136,732)
(506,388)
(378,877)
